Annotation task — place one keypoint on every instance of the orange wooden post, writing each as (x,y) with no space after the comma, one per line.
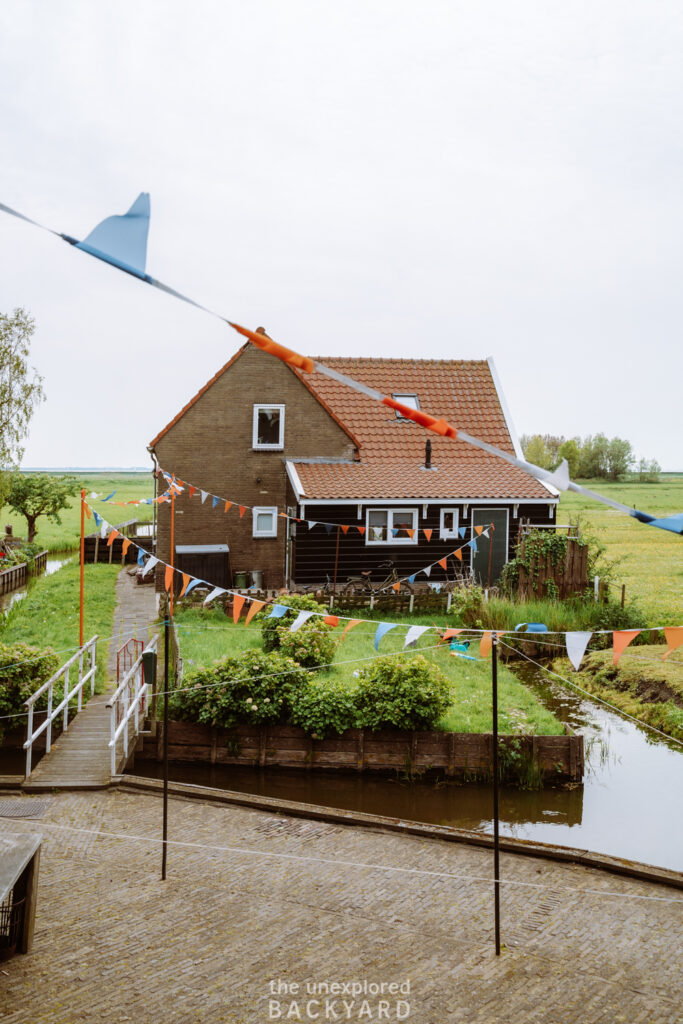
(80,625)
(172,548)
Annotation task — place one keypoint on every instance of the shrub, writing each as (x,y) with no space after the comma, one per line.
(272,630)
(253,688)
(312,646)
(401,693)
(22,670)
(324,706)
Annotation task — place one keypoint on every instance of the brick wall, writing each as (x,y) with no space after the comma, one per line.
(211,447)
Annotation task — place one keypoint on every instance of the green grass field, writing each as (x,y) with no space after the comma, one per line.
(651,560)
(66,537)
(206,636)
(48,615)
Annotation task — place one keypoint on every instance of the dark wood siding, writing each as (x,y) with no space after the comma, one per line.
(314,550)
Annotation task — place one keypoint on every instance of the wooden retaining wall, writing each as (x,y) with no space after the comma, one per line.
(447,754)
(17,575)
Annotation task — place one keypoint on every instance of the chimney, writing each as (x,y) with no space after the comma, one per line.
(428,454)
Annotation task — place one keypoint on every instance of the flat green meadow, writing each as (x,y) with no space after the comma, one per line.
(650,560)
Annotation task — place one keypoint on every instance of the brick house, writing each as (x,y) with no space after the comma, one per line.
(271,439)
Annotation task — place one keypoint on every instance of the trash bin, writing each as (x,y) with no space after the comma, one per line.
(257,578)
(241,580)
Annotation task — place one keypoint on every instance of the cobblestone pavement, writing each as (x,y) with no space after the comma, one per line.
(114,943)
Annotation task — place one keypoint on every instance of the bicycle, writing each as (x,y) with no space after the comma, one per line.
(363,584)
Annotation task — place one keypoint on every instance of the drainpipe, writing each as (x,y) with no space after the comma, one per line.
(153,457)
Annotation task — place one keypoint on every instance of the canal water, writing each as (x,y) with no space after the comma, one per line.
(628,806)
(54,562)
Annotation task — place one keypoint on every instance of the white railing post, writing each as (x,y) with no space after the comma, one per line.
(93,665)
(112,737)
(65,724)
(29,738)
(80,681)
(48,737)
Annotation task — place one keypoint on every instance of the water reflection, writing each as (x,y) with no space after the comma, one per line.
(54,562)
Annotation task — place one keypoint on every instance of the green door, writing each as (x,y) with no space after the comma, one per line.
(492,551)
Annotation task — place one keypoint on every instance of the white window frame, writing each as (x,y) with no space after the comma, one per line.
(264,510)
(445,534)
(399,396)
(390,539)
(254,434)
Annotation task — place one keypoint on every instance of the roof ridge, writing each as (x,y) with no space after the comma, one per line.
(393,359)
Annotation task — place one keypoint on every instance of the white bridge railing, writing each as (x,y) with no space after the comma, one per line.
(129,701)
(52,713)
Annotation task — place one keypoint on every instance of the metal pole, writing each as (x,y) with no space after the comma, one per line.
(82,583)
(496,847)
(171,561)
(165,824)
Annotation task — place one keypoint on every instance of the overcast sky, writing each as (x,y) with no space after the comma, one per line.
(373,177)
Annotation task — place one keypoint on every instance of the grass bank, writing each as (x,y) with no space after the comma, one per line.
(651,560)
(642,684)
(206,636)
(66,537)
(48,615)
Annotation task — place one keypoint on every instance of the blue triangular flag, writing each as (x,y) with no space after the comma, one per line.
(109,496)
(473,543)
(122,240)
(215,500)
(462,530)
(329,527)
(411,579)
(383,628)
(141,556)
(98,519)
(394,531)
(277,611)
(191,585)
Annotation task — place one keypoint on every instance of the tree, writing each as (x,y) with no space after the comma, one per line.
(620,458)
(648,471)
(21,386)
(536,450)
(40,495)
(570,451)
(593,461)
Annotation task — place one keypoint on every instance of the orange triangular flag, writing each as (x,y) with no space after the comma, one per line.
(443,562)
(396,586)
(193,491)
(242,510)
(485,644)
(361,530)
(186,580)
(282,515)
(350,625)
(620,641)
(168,577)
(458,554)
(428,534)
(112,537)
(477,530)
(345,529)
(411,533)
(254,607)
(87,510)
(448,634)
(674,638)
(237,602)
(124,547)
(228,506)
(331,620)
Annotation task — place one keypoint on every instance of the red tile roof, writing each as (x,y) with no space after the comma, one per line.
(392,451)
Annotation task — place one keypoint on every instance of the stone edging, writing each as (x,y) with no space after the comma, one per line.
(524,847)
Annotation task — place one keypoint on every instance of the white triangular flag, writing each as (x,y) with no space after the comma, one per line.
(560,478)
(205,495)
(103,528)
(299,621)
(576,647)
(413,634)
(150,565)
(311,524)
(214,593)
(427,571)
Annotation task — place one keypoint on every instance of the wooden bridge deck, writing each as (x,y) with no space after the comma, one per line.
(80,758)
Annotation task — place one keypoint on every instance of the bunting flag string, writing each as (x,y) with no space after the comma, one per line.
(121,241)
(576,642)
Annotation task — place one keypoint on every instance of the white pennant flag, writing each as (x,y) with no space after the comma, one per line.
(103,528)
(150,565)
(214,593)
(576,647)
(205,495)
(413,634)
(299,621)
(311,524)
(427,571)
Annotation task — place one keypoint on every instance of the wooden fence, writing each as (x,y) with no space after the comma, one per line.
(96,548)
(448,754)
(566,578)
(17,575)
